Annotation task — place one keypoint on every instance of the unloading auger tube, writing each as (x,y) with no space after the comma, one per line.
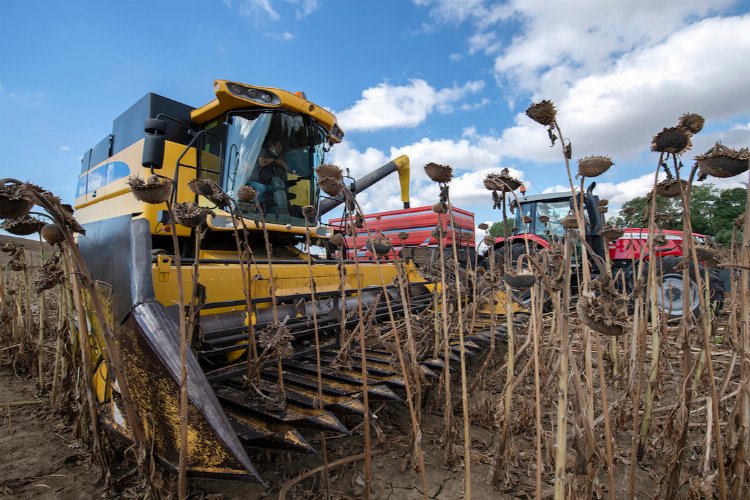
(128,249)
(400,165)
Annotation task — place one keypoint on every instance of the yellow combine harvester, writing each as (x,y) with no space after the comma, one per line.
(273,141)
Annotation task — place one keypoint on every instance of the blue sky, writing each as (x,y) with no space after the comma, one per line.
(440,80)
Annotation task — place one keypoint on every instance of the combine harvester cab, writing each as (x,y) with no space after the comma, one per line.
(128,247)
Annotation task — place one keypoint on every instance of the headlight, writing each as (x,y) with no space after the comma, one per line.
(255,95)
(323,232)
(336,133)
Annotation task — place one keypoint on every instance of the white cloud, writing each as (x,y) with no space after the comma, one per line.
(483,42)
(472,157)
(392,106)
(29,98)
(698,69)
(259,10)
(305,7)
(619,71)
(284,36)
(64,149)
(264,10)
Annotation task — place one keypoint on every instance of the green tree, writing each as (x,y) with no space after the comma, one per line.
(634,213)
(497,230)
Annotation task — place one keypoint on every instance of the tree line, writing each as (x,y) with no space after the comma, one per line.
(712,211)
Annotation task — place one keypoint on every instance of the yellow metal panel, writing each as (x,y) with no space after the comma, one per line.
(226,101)
(117,199)
(223,282)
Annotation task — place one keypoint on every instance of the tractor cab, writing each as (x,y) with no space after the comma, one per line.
(546,214)
(546,211)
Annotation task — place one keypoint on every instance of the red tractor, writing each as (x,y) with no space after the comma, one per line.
(624,253)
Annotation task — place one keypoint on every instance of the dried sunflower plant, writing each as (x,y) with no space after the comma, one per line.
(584,391)
(81,321)
(330,181)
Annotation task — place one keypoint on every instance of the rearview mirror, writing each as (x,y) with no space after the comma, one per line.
(153,146)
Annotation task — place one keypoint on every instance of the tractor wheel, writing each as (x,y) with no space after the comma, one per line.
(672,298)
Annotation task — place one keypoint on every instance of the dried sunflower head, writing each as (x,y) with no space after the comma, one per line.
(440,208)
(569,222)
(153,190)
(501,182)
(544,112)
(247,194)
(331,186)
(53,234)
(674,140)
(520,281)
(190,214)
(330,179)
(593,166)
(439,173)
(16,200)
(722,161)
(338,240)
(483,226)
(612,233)
(670,188)
(211,191)
(308,212)
(201,187)
(692,121)
(330,171)
(22,226)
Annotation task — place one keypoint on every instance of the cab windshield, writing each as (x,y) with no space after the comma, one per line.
(555,210)
(276,153)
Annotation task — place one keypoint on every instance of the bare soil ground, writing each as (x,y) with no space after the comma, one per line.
(43,458)
(39,455)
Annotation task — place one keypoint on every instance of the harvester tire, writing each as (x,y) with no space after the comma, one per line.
(670,280)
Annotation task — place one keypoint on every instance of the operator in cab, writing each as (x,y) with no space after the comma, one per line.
(269,176)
